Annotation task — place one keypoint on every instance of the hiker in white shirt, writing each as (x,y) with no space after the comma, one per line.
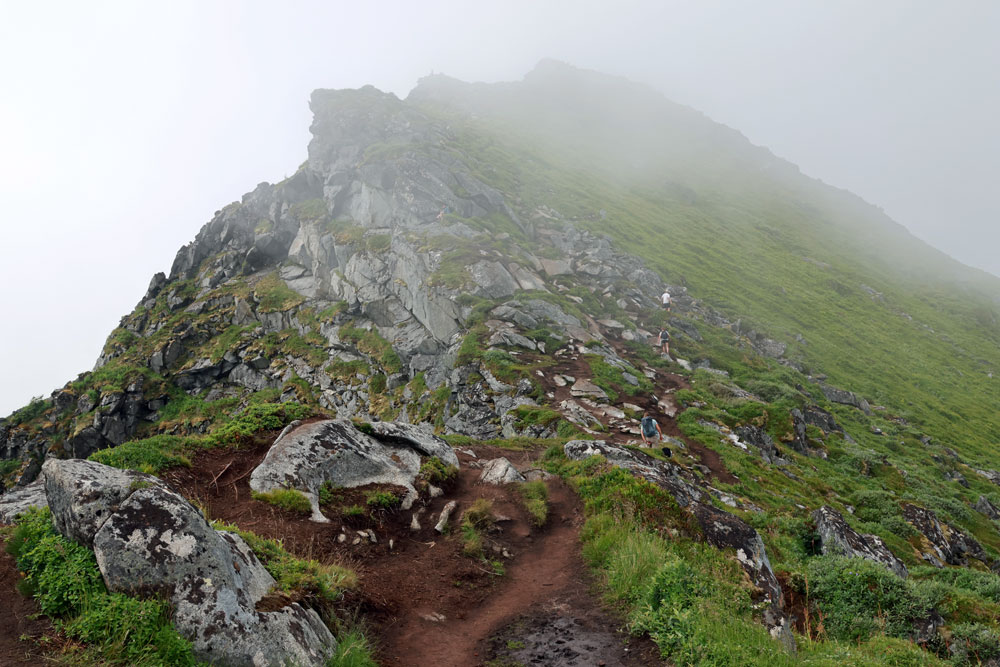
(665,298)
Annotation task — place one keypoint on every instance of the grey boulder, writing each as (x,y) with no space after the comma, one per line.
(339,453)
(18,500)
(500,471)
(836,537)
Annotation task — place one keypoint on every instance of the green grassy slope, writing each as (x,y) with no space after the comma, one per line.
(881,312)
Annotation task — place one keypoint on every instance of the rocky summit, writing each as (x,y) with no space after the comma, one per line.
(393,406)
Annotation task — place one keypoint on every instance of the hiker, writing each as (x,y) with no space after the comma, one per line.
(665,299)
(649,428)
(665,341)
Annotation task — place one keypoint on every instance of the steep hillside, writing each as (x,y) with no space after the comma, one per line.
(479,267)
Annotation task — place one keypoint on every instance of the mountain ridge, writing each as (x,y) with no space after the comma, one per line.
(479,274)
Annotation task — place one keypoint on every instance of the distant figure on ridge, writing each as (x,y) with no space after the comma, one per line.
(665,299)
(665,341)
(650,428)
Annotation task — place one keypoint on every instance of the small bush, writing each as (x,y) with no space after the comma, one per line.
(381,499)
(435,471)
(480,513)
(287,499)
(353,650)
(352,511)
(64,578)
(859,598)
(535,496)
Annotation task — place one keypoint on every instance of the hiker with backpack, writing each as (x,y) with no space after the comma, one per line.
(650,429)
(665,341)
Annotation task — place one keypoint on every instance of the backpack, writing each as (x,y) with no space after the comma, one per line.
(664,335)
(648,427)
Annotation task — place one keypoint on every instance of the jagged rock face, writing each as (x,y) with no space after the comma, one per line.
(149,540)
(336,452)
(836,537)
(944,544)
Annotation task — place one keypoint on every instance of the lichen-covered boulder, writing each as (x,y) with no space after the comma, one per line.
(148,540)
(836,537)
(82,494)
(339,453)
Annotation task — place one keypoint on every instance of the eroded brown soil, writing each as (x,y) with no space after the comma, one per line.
(427,602)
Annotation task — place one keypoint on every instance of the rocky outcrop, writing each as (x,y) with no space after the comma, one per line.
(838,538)
(943,544)
(835,395)
(337,452)
(148,540)
(20,499)
(986,507)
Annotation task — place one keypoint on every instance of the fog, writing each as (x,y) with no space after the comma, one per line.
(124,126)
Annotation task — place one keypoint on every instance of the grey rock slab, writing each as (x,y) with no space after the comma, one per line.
(418,437)
(836,537)
(19,499)
(586,388)
(82,495)
(500,471)
(337,452)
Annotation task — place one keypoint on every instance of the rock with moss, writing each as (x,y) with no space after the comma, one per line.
(838,538)
(943,544)
(148,540)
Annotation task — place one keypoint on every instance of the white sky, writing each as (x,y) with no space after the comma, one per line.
(125,125)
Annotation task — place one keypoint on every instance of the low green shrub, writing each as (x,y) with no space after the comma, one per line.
(294,575)
(149,455)
(381,500)
(859,599)
(535,496)
(64,579)
(435,471)
(287,499)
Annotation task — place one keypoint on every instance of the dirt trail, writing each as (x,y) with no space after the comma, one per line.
(548,573)
(409,579)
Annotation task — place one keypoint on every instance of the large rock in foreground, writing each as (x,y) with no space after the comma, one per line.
(836,537)
(148,540)
(337,452)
